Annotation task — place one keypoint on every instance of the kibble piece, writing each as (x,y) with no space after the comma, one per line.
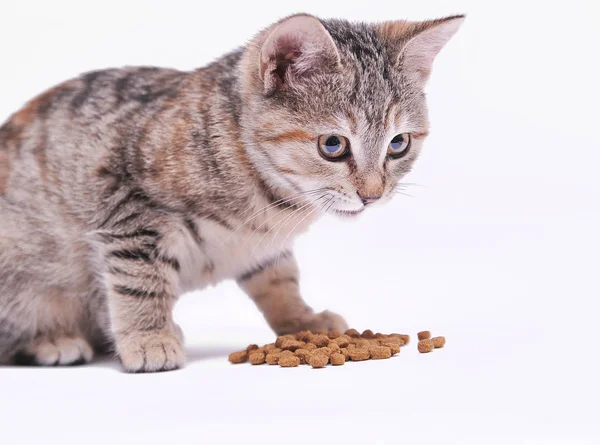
(286,353)
(425,346)
(438,342)
(359,354)
(292,345)
(367,333)
(238,357)
(273,358)
(303,355)
(344,352)
(257,358)
(304,336)
(352,333)
(380,352)
(271,348)
(343,341)
(320,340)
(396,340)
(251,348)
(282,338)
(333,346)
(289,361)
(337,359)
(394,347)
(325,351)
(333,334)
(351,346)
(424,335)
(309,346)
(363,344)
(318,360)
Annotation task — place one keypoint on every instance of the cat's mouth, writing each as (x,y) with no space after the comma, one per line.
(348,213)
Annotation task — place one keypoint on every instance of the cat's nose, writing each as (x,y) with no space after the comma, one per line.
(369,199)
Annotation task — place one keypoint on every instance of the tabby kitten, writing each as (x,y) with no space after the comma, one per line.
(124,188)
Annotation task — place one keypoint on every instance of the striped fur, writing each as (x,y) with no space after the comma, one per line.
(123,188)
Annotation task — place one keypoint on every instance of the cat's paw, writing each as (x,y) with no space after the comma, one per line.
(151,352)
(55,351)
(323,321)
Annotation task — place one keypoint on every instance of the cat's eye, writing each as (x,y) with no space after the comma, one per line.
(399,145)
(333,147)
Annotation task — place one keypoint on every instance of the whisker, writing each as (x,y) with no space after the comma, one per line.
(319,207)
(290,217)
(269,219)
(279,222)
(411,184)
(272,205)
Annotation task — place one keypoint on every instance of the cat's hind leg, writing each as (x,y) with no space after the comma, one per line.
(274,288)
(52,308)
(53,350)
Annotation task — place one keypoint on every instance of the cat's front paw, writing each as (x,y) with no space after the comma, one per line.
(323,321)
(151,352)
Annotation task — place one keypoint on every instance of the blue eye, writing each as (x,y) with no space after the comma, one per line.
(333,147)
(399,145)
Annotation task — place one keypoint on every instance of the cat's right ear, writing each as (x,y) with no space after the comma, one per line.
(297,46)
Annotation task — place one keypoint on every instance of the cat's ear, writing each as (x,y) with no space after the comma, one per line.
(418,43)
(297,46)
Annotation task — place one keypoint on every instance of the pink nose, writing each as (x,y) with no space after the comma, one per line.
(366,200)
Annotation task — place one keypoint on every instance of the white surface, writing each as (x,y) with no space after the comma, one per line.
(498,250)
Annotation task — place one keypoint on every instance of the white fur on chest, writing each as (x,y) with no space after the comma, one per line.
(225,254)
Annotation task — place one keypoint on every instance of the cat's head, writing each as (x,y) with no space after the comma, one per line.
(339,107)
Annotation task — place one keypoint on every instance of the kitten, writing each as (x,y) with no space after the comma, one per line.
(124,188)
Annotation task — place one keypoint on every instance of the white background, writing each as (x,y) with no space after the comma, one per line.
(498,249)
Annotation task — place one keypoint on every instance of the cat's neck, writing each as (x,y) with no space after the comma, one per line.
(203,167)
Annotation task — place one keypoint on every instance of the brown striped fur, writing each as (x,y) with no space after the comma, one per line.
(123,188)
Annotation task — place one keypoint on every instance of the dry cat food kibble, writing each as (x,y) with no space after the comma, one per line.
(425,346)
(424,335)
(323,348)
(438,342)
(289,361)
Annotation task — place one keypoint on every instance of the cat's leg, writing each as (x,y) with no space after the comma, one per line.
(48,310)
(274,288)
(53,350)
(141,291)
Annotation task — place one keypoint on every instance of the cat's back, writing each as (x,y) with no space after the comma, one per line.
(50,144)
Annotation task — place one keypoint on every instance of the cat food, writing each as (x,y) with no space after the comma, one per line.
(380,352)
(424,335)
(238,357)
(256,358)
(359,354)
(322,348)
(318,360)
(303,355)
(271,358)
(425,346)
(438,342)
(337,359)
(289,361)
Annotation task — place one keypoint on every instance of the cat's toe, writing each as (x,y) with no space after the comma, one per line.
(323,321)
(151,352)
(55,351)
(331,321)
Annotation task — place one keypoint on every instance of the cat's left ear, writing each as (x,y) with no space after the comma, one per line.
(297,46)
(418,43)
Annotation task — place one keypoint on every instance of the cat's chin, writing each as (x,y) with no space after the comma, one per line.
(348,213)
